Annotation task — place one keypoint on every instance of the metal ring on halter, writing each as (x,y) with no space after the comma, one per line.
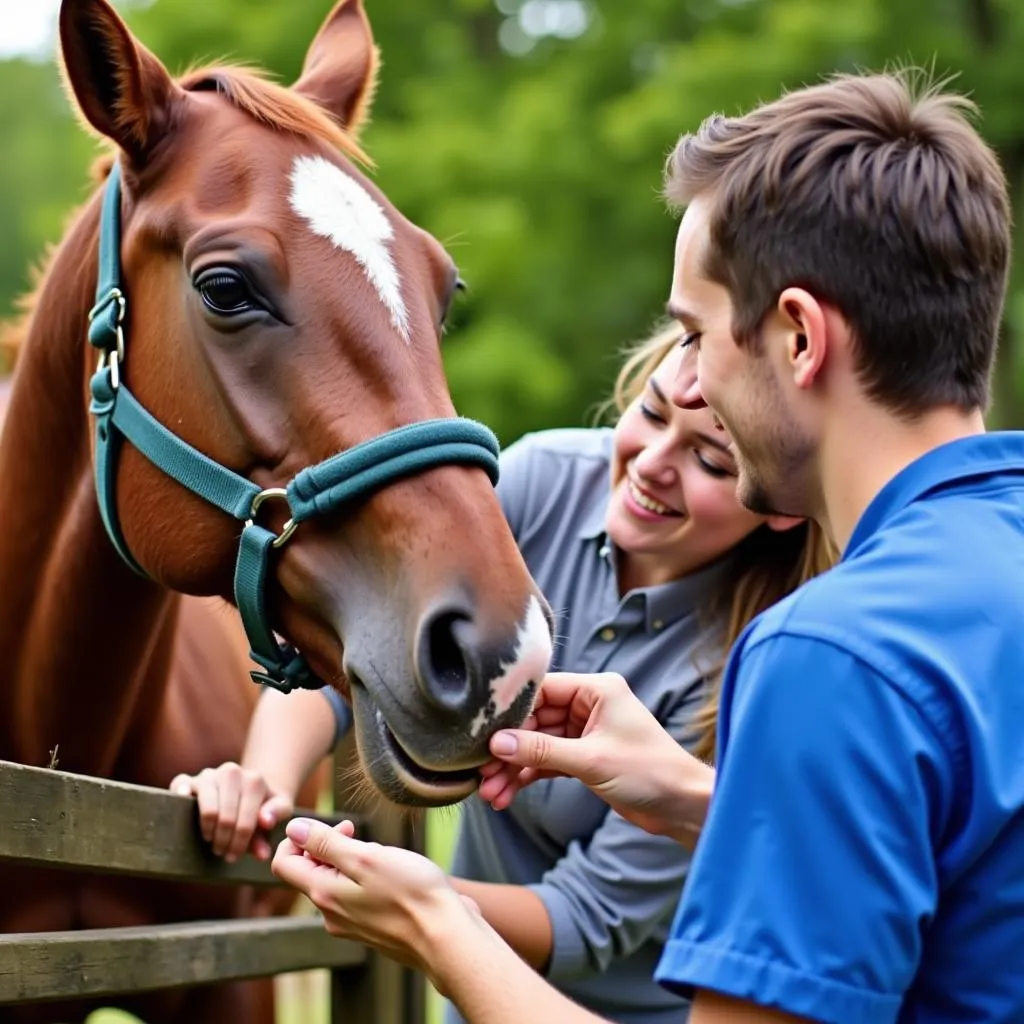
(115,357)
(114,295)
(282,495)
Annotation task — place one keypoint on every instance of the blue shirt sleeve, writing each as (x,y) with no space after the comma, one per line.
(815,874)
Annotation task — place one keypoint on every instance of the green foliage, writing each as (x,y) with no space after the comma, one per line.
(541,170)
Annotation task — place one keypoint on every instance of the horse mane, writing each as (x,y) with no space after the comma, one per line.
(254,93)
(251,91)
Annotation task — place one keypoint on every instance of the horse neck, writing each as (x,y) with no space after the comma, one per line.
(86,642)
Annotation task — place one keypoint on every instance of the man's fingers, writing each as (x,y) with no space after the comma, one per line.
(562,689)
(292,867)
(329,845)
(537,750)
(500,789)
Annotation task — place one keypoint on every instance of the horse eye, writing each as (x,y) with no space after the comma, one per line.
(458,288)
(225,292)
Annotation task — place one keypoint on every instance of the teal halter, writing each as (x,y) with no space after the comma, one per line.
(318,490)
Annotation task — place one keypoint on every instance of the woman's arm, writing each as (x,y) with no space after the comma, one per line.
(290,734)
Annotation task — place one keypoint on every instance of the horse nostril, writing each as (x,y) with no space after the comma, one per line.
(443,663)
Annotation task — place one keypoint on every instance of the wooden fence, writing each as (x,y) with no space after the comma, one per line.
(58,820)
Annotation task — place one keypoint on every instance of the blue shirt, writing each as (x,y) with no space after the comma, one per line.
(863,857)
(609,888)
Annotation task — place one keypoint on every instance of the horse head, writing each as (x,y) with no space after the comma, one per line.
(278,319)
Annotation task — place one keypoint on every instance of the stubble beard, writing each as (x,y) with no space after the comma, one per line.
(771,485)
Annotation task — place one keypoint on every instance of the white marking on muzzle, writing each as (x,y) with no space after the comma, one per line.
(529,664)
(338,208)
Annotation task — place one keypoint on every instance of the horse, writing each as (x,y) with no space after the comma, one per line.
(229,391)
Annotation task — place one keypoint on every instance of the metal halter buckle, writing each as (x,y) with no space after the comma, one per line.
(281,495)
(112,356)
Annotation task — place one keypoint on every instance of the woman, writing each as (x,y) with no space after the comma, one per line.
(652,567)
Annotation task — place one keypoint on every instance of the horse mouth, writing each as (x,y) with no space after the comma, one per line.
(462,779)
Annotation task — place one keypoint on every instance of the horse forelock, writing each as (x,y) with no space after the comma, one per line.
(284,110)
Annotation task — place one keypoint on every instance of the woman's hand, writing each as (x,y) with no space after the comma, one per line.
(391,899)
(238,808)
(594,728)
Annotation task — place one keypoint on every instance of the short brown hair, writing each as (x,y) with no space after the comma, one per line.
(877,195)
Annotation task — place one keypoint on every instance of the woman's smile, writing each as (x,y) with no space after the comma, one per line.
(645,506)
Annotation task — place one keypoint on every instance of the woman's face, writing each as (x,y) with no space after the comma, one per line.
(673,506)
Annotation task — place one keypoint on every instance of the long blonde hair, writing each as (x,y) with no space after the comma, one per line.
(767,564)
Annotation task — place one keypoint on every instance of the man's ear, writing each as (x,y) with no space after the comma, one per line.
(806,325)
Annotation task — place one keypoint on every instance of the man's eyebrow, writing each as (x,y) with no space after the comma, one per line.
(683,316)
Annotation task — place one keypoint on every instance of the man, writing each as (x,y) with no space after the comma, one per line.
(840,268)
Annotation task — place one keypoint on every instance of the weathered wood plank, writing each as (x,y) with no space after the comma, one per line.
(43,966)
(56,819)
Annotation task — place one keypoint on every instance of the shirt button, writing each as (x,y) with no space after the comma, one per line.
(658,624)
(607,633)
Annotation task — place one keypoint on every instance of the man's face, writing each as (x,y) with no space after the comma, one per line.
(742,385)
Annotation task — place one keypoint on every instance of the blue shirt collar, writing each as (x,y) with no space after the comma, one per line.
(980,455)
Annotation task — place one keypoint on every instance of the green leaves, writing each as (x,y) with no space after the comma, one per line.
(542,171)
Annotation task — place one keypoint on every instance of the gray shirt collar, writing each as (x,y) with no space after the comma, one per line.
(667,602)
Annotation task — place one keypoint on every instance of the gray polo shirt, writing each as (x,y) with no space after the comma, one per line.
(609,887)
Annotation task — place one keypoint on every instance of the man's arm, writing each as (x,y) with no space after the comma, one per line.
(711,1008)
(491,985)
(401,904)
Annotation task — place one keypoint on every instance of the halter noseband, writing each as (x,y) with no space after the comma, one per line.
(317,490)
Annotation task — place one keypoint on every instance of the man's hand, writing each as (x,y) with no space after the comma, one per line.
(595,729)
(391,899)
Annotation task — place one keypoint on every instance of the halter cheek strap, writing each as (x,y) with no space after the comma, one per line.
(318,490)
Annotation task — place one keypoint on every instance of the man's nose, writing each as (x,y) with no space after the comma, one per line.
(686,387)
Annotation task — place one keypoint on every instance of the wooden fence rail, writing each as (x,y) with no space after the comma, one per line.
(58,820)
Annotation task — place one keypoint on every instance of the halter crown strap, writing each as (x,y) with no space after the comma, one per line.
(318,490)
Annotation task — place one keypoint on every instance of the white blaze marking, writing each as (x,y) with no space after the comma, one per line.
(338,208)
(529,664)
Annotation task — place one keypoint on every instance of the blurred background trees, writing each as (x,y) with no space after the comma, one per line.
(529,136)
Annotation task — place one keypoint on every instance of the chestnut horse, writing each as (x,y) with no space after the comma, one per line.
(272,322)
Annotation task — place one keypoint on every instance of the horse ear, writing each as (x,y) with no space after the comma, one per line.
(122,90)
(340,72)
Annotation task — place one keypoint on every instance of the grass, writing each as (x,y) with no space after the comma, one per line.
(303,996)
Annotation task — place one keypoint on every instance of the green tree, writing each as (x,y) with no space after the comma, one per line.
(537,157)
